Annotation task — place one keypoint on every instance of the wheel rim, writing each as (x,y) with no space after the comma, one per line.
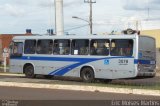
(87,75)
(29,71)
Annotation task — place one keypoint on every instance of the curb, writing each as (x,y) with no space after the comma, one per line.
(84,88)
(11,74)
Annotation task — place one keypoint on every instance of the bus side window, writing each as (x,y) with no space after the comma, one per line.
(80,47)
(62,47)
(29,47)
(122,47)
(100,47)
(44,46)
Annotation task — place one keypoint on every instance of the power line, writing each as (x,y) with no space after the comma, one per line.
(76,28)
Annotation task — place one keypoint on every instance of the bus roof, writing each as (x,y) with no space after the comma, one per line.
(77,37)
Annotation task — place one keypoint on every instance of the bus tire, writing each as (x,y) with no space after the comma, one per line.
(87,75)
(29,71)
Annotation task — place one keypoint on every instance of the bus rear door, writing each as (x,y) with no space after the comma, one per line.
(122,62)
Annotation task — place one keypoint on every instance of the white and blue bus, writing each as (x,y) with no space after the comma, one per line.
(88,57)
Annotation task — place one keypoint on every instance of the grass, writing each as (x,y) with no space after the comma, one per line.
(150,86)
(2,66)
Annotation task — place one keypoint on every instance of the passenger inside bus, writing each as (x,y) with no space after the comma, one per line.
(94,48)
(129,50)
(121,47)
(106,48)
(56,49)
(100,47)
(18,49)
(30,50)
(113,48)
(50,47)
(39,49)
(66,50)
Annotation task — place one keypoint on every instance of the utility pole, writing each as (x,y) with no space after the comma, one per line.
(148,12)
(137,25)
(59,17)
(90,17)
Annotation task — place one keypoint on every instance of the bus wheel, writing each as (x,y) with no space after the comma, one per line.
(87,74)
(29,71)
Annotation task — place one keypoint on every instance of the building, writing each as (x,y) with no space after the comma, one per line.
(156,34)
(5,40)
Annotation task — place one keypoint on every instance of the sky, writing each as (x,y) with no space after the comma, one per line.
(39,15)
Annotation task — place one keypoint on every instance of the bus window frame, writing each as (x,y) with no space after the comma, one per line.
(16,55)
(61,48)
(133,43)
(42,47)
(104,46)
(35,47)
(75,51)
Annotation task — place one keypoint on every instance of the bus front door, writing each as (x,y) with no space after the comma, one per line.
(16,52)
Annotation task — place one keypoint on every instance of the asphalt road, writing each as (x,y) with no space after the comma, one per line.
(59,97)
(15,93)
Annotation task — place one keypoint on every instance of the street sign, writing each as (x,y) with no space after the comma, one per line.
(5,54)
(5,50)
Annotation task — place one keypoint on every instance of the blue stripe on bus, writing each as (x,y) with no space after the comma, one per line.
(63,58)
(53,58)
(61,71)
(64,70)
(72,66)
(136,61)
